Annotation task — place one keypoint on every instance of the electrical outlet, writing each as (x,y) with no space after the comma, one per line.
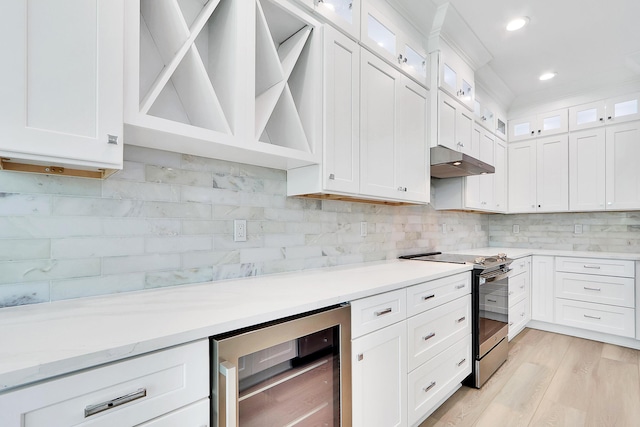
(577,228)
(516,228)
(363,229)
(240,230)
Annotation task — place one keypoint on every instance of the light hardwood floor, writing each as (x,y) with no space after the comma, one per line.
(552,380)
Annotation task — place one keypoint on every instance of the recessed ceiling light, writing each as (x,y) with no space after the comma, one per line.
(517,23)
(547,76)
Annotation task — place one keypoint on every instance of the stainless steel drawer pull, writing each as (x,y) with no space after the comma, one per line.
(383,312)
(460,363)
(461,319)
(428,297)
(360,357)
(491,300)
(461,286)
(430,386)
(592,289)
(592,317)
(110,404)
(597,267)
(428,337)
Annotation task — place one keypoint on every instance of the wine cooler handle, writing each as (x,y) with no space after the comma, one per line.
(230,396)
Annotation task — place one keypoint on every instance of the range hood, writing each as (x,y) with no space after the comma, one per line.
(448,163)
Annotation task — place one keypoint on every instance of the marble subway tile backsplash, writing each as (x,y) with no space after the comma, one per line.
(601,231)
(166,219)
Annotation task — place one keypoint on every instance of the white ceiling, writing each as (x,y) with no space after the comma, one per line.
(591,44)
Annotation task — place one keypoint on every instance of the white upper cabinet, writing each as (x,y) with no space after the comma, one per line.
(238,81)
(484,115)
(393,133)
(500,177)
(382,36)
(587,176)
(610,111)
(455,126)
(61,103)
(341,155)
(551,123)
(622,171)
(501,126)
(344,14)
(456,77)
(539,175)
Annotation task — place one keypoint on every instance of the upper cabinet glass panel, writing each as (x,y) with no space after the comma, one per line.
(450,76)
(551,123)
(381,35)
(626,108)
(587,116)
(415,62)
(501,127)
(522,129)
(342,8)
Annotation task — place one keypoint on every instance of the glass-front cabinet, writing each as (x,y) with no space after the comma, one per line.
(456,77)
(551,123)
(344,14)
(609,111)
(384,37)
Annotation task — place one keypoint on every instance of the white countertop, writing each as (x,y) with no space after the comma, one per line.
(519,253)
(41,341)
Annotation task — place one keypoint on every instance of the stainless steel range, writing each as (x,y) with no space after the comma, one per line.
(490,299)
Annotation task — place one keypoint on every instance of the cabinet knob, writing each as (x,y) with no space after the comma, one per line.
(533,132)
(402,59)
(609,118)
(402,189)
(112,139)
(332,176)
(539,131)
(602,119)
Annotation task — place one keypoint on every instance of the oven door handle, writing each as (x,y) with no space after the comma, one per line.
(228,398)
(497,277)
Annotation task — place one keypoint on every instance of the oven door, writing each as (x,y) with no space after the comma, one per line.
(493,305)
(293,371)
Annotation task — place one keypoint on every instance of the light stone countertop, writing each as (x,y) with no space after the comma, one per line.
(42,341)
(519,253)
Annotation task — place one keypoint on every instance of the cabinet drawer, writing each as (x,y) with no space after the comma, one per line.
(378,311)
(431,294)
(596,317)
(170,378)
(601,267)
(434,330)
(598,289)
(519,266)
(432,381)
(518,288)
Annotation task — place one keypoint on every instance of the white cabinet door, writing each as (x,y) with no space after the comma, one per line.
(552,174)
(455,126)
(500,178)
(623,173)
(522,177)
(542,288)
(456,77)
(411,149)
(587,170)
(380,84)
(379,377)
(62,92)
(522,128)
(341,111)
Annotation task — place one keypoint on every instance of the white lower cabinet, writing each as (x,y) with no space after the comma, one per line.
(408,356)
(542,283)
(149,389)
(519,296)
(434,381)
(379,377)
(596,294)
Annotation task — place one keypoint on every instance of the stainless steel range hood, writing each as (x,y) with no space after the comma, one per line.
(448,163)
